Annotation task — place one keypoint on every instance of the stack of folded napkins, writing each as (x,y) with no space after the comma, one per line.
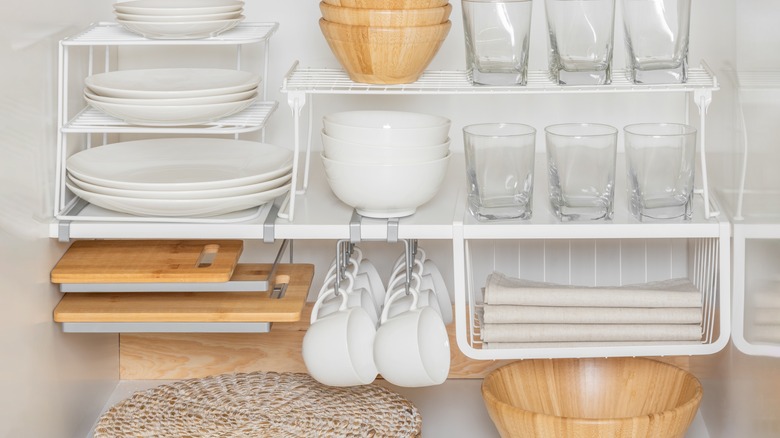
(766,316)
(520,313)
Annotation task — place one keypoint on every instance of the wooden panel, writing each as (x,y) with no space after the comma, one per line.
(180,356)
(195,306)
(145,261)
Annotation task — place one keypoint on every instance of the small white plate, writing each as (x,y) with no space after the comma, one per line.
(180,30)
(205,100)
(180,164)
(180,207)
(177,18)
(171,83)
(181,194)
(170,115)
(178,7)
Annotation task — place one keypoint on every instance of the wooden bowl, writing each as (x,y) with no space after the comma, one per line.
(579,398)
(385,17)
(384,55)
(388,4)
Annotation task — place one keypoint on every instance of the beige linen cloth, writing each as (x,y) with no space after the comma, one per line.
(679,292)
(589,332)
(499,345)
(501,314)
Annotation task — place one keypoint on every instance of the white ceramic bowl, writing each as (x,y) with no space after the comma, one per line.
(385,190)
(342,150)
(387,128)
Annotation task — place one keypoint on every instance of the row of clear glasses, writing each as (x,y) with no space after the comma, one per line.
(581,170)
(580,32)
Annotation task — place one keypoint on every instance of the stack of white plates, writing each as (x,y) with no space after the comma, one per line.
(171,96)
(179,19)
(180,177)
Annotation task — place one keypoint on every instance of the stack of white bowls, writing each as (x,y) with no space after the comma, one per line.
(171,96)
(385,163)
(179,19)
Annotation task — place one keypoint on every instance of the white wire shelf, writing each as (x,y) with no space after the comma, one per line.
(113,34)
(254,118)
(335,81)
(758,79)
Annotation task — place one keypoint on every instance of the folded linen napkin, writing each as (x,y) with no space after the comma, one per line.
(502,314)
(679,292)
(589,332)
(510,345)
(767,316)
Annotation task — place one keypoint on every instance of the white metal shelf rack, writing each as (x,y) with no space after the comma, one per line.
(301,84)
(756,222)
(77,218)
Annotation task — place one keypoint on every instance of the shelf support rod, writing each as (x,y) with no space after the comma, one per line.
(703,98)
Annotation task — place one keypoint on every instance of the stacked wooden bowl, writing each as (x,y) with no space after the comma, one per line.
(385,41)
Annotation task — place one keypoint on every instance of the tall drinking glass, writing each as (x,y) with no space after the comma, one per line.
(657,40)
(581,170)
(500,170)
(581,41)
(497,35)
(660,163)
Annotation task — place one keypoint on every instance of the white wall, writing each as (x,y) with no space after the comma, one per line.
(52,385)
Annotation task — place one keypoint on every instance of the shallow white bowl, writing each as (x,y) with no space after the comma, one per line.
(385,190)
(180,30)
(178,7)
(387,128)
(346,151)
(170,115)
(177,18)
(205,100)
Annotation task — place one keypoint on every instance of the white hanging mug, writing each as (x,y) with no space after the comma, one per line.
(412,349)
(337,348)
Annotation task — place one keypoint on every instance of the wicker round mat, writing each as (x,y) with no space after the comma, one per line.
(260,405)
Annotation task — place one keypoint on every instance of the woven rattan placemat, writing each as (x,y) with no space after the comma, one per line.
(260,405)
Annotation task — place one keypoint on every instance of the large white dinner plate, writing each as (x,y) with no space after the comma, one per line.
(178,7)
(170,115)
(180,30)
(180,207)
(182,194)
(180,164)
(171,83)
(222,98)
(177,18)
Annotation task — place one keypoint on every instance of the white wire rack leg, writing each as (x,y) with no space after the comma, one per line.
(703,98)
(296,101)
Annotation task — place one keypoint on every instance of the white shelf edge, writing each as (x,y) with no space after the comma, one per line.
(166,327)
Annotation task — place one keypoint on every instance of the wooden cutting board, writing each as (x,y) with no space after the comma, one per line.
(196,307)
(148,261)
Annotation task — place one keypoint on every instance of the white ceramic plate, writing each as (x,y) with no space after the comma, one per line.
(170,115)
(205,100)
(180,30)
(178,7)
(180,164)
(177,18)
(180,207)
(171,83)
(182,194)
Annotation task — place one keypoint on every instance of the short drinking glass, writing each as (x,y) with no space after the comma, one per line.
(657,40)
(581,170)
(500,170)
(581,41)
(497,35)
(660,163)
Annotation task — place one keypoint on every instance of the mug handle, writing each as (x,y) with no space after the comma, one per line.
(399,261)
(329,278)
(416,278)
(393,297)
(400,268)
(321,299)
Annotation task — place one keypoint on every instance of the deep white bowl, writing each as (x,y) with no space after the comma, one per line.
(385,190)
(368,153)
(387,128)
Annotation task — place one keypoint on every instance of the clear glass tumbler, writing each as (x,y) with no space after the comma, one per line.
(581,170)
(657,34)
(500,170)
(581,41)
(497,37)
(660,163)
